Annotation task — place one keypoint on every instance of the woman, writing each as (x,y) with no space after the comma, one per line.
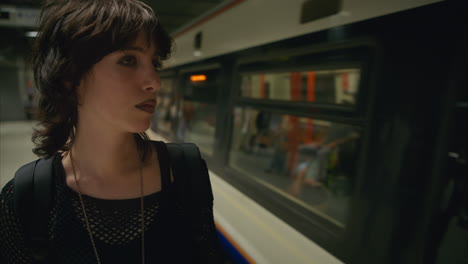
(96,66)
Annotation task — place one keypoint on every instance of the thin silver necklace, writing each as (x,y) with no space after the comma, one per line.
(142,211)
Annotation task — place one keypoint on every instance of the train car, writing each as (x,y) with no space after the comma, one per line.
(335,131)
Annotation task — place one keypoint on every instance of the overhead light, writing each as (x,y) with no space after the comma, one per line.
(31,34)
(197,53)
(198,78)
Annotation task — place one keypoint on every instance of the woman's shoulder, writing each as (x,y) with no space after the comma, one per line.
(6,196)
(7,188)
(7,191)
(12,249)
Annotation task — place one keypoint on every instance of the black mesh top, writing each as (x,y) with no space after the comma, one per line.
(170,236)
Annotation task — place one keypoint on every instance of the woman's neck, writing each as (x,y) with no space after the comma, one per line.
(105,155)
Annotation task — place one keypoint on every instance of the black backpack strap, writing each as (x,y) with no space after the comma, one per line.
(200,180)
(164,164)
(177,158)
(33,187)
(191,173)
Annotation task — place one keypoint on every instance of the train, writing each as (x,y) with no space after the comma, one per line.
(335,131)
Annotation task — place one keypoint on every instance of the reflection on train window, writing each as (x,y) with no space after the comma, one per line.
(309,161)
(198,124)
(201,86)
(331,86)
(198,110)
(166,111)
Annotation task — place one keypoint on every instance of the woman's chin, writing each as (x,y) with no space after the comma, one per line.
(140,127)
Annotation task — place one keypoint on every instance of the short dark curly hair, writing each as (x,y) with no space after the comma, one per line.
(73,36)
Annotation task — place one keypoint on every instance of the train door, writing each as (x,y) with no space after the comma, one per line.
(449,230)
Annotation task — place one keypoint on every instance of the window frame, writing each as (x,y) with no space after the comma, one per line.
(316,228)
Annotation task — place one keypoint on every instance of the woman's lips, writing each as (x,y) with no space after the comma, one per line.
(147,106)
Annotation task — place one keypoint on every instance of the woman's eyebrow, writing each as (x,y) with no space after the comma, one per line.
(137,48)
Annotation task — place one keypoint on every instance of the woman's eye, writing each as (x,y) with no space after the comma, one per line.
(128,61)
(157,64)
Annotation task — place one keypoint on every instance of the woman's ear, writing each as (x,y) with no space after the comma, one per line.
(78,90)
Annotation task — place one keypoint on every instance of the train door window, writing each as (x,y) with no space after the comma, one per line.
(324,86)
(166,112)
(198,109)
(309,161)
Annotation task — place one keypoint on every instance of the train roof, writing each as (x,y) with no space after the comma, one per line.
(243,24)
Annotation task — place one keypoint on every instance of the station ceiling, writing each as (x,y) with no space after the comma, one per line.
(174,15)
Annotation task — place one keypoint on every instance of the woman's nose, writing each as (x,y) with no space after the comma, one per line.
(153,82)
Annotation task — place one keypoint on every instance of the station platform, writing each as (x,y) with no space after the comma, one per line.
(15,148)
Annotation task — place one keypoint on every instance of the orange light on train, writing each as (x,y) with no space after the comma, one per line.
(198,78)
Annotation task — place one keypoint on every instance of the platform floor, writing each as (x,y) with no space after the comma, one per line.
(15,148)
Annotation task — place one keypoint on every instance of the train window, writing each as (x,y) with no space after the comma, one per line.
(198,109)
(165,115)
(327,86)
(198,124)
(309,161)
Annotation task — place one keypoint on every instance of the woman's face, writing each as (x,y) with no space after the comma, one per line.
(120,90)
